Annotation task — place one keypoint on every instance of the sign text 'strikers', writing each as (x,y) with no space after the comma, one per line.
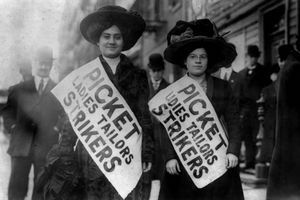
(104,123)
(193,129)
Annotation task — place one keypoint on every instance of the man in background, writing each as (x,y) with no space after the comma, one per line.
(253,78)
(30,116)
(156,67)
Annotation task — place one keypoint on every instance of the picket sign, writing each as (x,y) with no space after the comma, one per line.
(104,123)
(193,129)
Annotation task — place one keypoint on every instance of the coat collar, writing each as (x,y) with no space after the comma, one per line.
(49,86)
(124,69)
(29,85)
(210,85)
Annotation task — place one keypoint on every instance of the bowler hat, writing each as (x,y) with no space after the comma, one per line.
(185,37)
(130,23)
(156,62)
(44,53)
(253,51)
(284,50)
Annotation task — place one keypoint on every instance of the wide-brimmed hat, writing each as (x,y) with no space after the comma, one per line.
(202,33)
(130,23)
(156,62)
(253,51)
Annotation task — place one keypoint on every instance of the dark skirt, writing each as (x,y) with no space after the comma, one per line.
(181,187)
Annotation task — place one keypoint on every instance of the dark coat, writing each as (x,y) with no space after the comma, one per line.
(160,137)
(269,123)
(30,118)
(132,84)
(235,83)
(229,185)
(284,177)
(251,87)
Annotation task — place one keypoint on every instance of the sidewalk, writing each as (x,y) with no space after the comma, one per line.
(254,188)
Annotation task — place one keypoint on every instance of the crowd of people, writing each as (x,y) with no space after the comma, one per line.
(43,134)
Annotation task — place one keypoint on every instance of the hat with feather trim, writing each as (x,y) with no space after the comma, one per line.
(185,37)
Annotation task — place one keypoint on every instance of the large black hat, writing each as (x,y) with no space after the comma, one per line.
(130,23)
(156,62)
(187,36)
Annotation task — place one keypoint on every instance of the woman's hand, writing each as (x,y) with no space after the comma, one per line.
(172,167)
(232,160)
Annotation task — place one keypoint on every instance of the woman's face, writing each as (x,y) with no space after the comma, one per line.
(111,42)
(196,62)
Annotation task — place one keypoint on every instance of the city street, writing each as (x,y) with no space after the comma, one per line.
(251,192)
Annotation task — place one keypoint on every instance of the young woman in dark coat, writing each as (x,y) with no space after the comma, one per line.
(197,47)
(113,29)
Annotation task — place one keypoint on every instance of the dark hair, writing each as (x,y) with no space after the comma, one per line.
(189,50)
(95,30)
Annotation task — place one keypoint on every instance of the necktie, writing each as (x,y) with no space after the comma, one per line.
(41,87)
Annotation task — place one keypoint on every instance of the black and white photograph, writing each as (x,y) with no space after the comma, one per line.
(149,100)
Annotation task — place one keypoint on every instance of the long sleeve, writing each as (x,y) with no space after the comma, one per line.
(10,110)
(231,116)
(170,152)
(145,120)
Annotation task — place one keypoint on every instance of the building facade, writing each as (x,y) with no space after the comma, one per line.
(265,23)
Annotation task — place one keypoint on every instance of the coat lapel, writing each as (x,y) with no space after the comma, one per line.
(124,70)
(210,87)
(30,86)
(49,86)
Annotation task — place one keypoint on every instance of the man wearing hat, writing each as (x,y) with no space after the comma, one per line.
(156,81)
(253,78)
(114,29)
(31,115)
(156,67)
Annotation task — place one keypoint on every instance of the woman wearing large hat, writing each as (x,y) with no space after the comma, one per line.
(197,47)
(114,29)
